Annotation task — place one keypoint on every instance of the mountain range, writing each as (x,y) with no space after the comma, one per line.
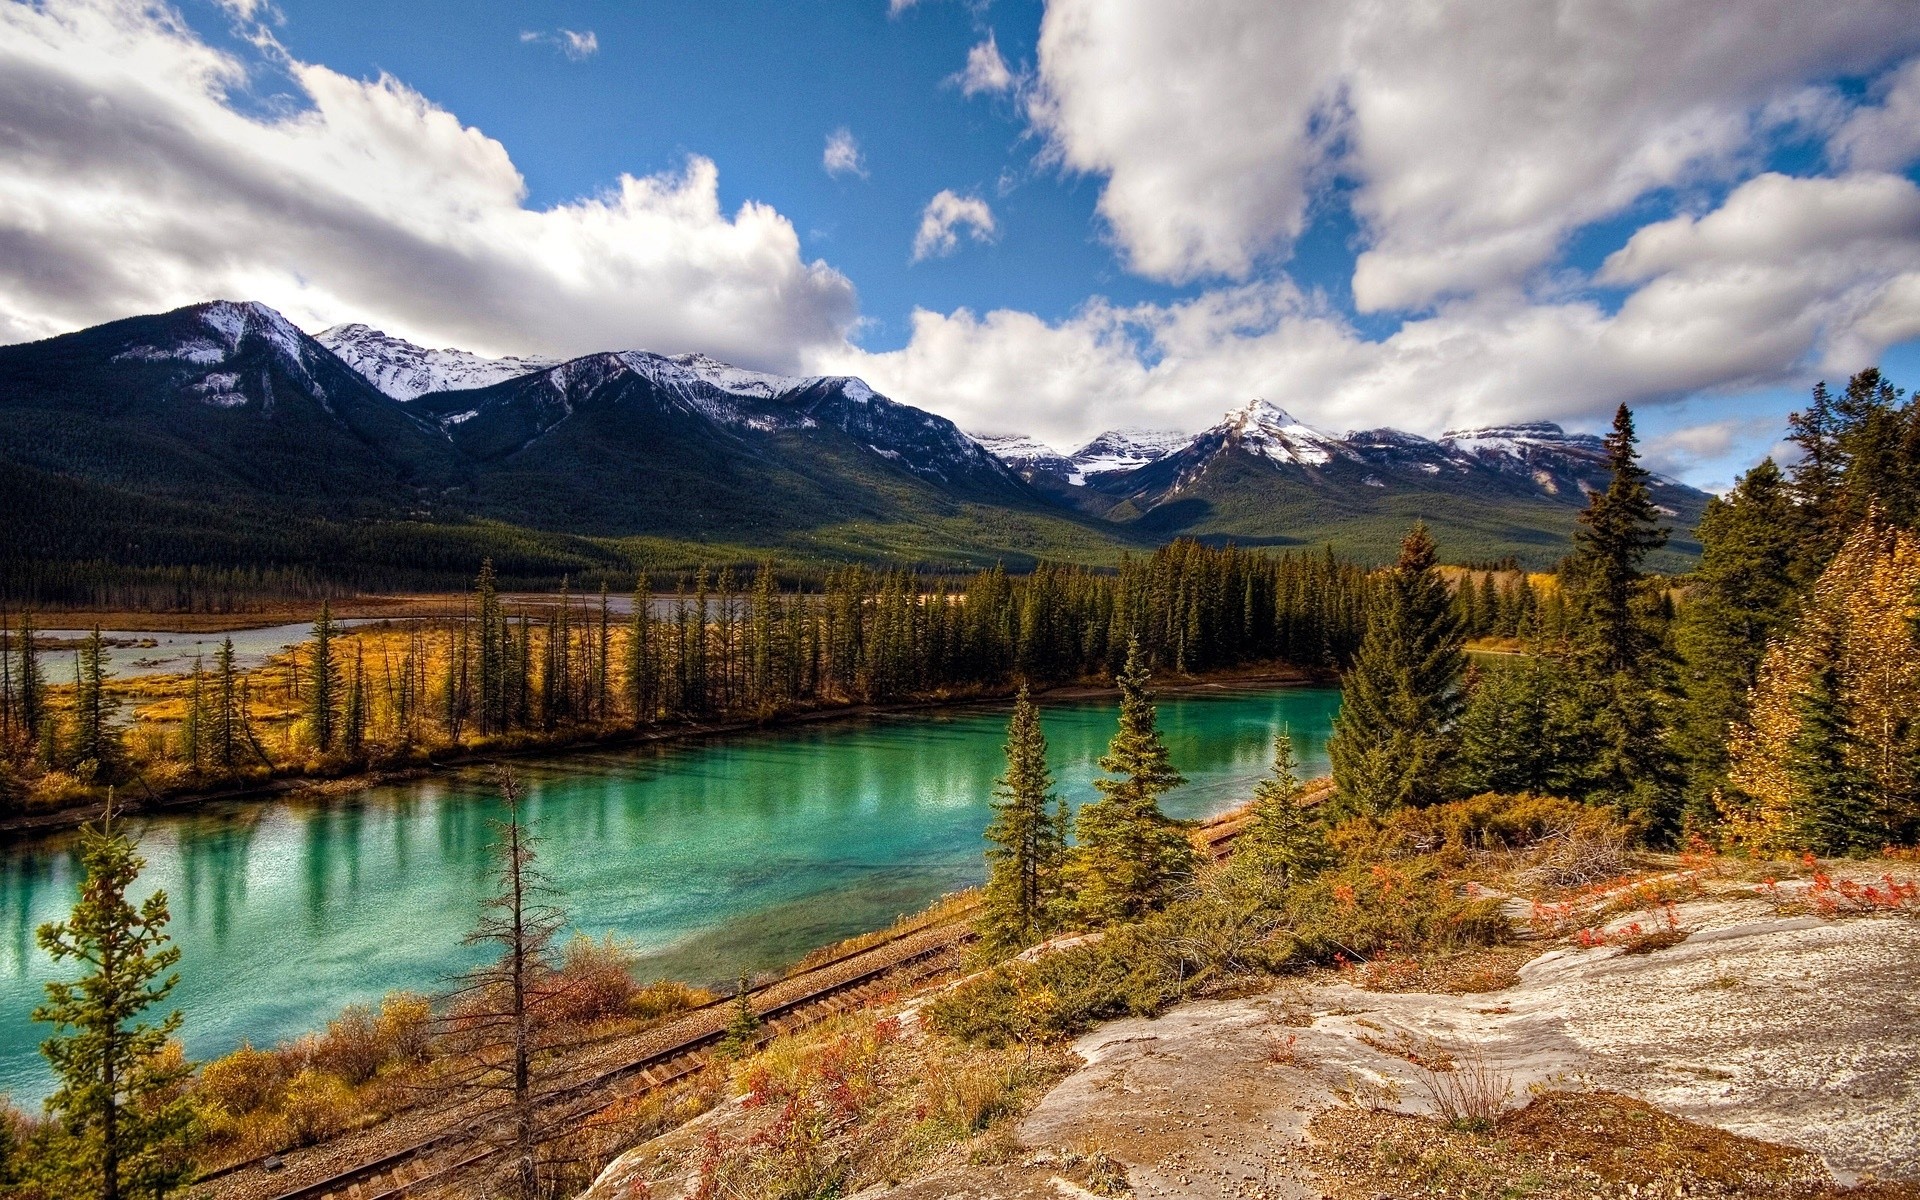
(222,434)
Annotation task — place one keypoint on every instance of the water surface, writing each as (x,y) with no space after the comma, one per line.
(713,857)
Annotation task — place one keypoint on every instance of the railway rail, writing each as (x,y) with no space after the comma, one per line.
(406,1162)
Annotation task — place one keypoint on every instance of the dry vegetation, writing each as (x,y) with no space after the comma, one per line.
(860,1100)
(1562,1145)
(369,1064)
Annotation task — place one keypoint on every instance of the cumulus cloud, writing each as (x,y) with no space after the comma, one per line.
(577,46)
(985,71)
(1214,126)
(1885,136)
(133,185)
(1788,276)
(842,155)
(943,220)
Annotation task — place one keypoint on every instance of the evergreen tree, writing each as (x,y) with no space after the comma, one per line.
(225,731)
(1742,594)
(353,719)
(1837,813)
(1618,529)
(1282,844)
(96,739)
(1129,857)
(126,1127)
(1394,740)
(323,696)
(1022,888)
(1525,729)
(193,726)
(29,687)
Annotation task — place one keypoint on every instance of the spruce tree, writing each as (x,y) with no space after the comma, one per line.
(225,731)
(323,695)
(96,740)
(1618,529)
(1282,844)
(1128,857)
(1022,885)
(29,688)
(1742,594)
(125,1126)
(1393,742)
(353,718)
(1837,810)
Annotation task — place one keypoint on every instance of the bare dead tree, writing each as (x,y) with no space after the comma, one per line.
(495,1004)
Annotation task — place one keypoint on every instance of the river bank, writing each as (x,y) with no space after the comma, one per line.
(137,799)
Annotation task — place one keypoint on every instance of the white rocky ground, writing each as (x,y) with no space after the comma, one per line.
(1791,1029)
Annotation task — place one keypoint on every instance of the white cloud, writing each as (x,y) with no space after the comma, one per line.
(842,155)
(985,71)
(1886,136)
(896,7)
(1788,277)
(132,185)
(944,217)
(576,45)
(1214,125)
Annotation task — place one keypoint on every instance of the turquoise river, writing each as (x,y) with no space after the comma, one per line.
(713,857)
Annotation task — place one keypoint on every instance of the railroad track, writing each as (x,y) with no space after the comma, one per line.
(461,1145)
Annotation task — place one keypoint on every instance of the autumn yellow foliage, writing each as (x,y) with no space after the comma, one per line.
(1860,624)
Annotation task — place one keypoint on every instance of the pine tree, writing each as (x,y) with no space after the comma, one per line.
(125,1125)
(1836,815)
(1129,857)
(1282,844)
(96,740)
(1618,529)
(353,719)
(226,708)
(1022,889)
(1394,743)
(1742,594)
(323,696)
(743,1030)
(29,688)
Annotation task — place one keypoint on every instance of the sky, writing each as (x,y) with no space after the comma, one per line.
(1047,218)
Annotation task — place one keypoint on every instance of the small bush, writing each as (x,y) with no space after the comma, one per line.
(317,1107)
(1486,823)
(595,981)
(245,1081)
(351,1047)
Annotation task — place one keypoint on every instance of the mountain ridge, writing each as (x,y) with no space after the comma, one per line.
(228,404)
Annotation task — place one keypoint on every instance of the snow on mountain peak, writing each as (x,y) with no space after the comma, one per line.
(1275,434)
(1124,450)
(405,371)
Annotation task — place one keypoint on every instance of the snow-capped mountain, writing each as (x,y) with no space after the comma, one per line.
(222,399)
(1025,454)
(708,397)
(1113,452)
(405,371)
(1124,450)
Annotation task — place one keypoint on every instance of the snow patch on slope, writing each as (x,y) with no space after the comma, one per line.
(405,371)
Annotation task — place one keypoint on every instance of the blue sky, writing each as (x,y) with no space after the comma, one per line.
(758,88)
(1437,216)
